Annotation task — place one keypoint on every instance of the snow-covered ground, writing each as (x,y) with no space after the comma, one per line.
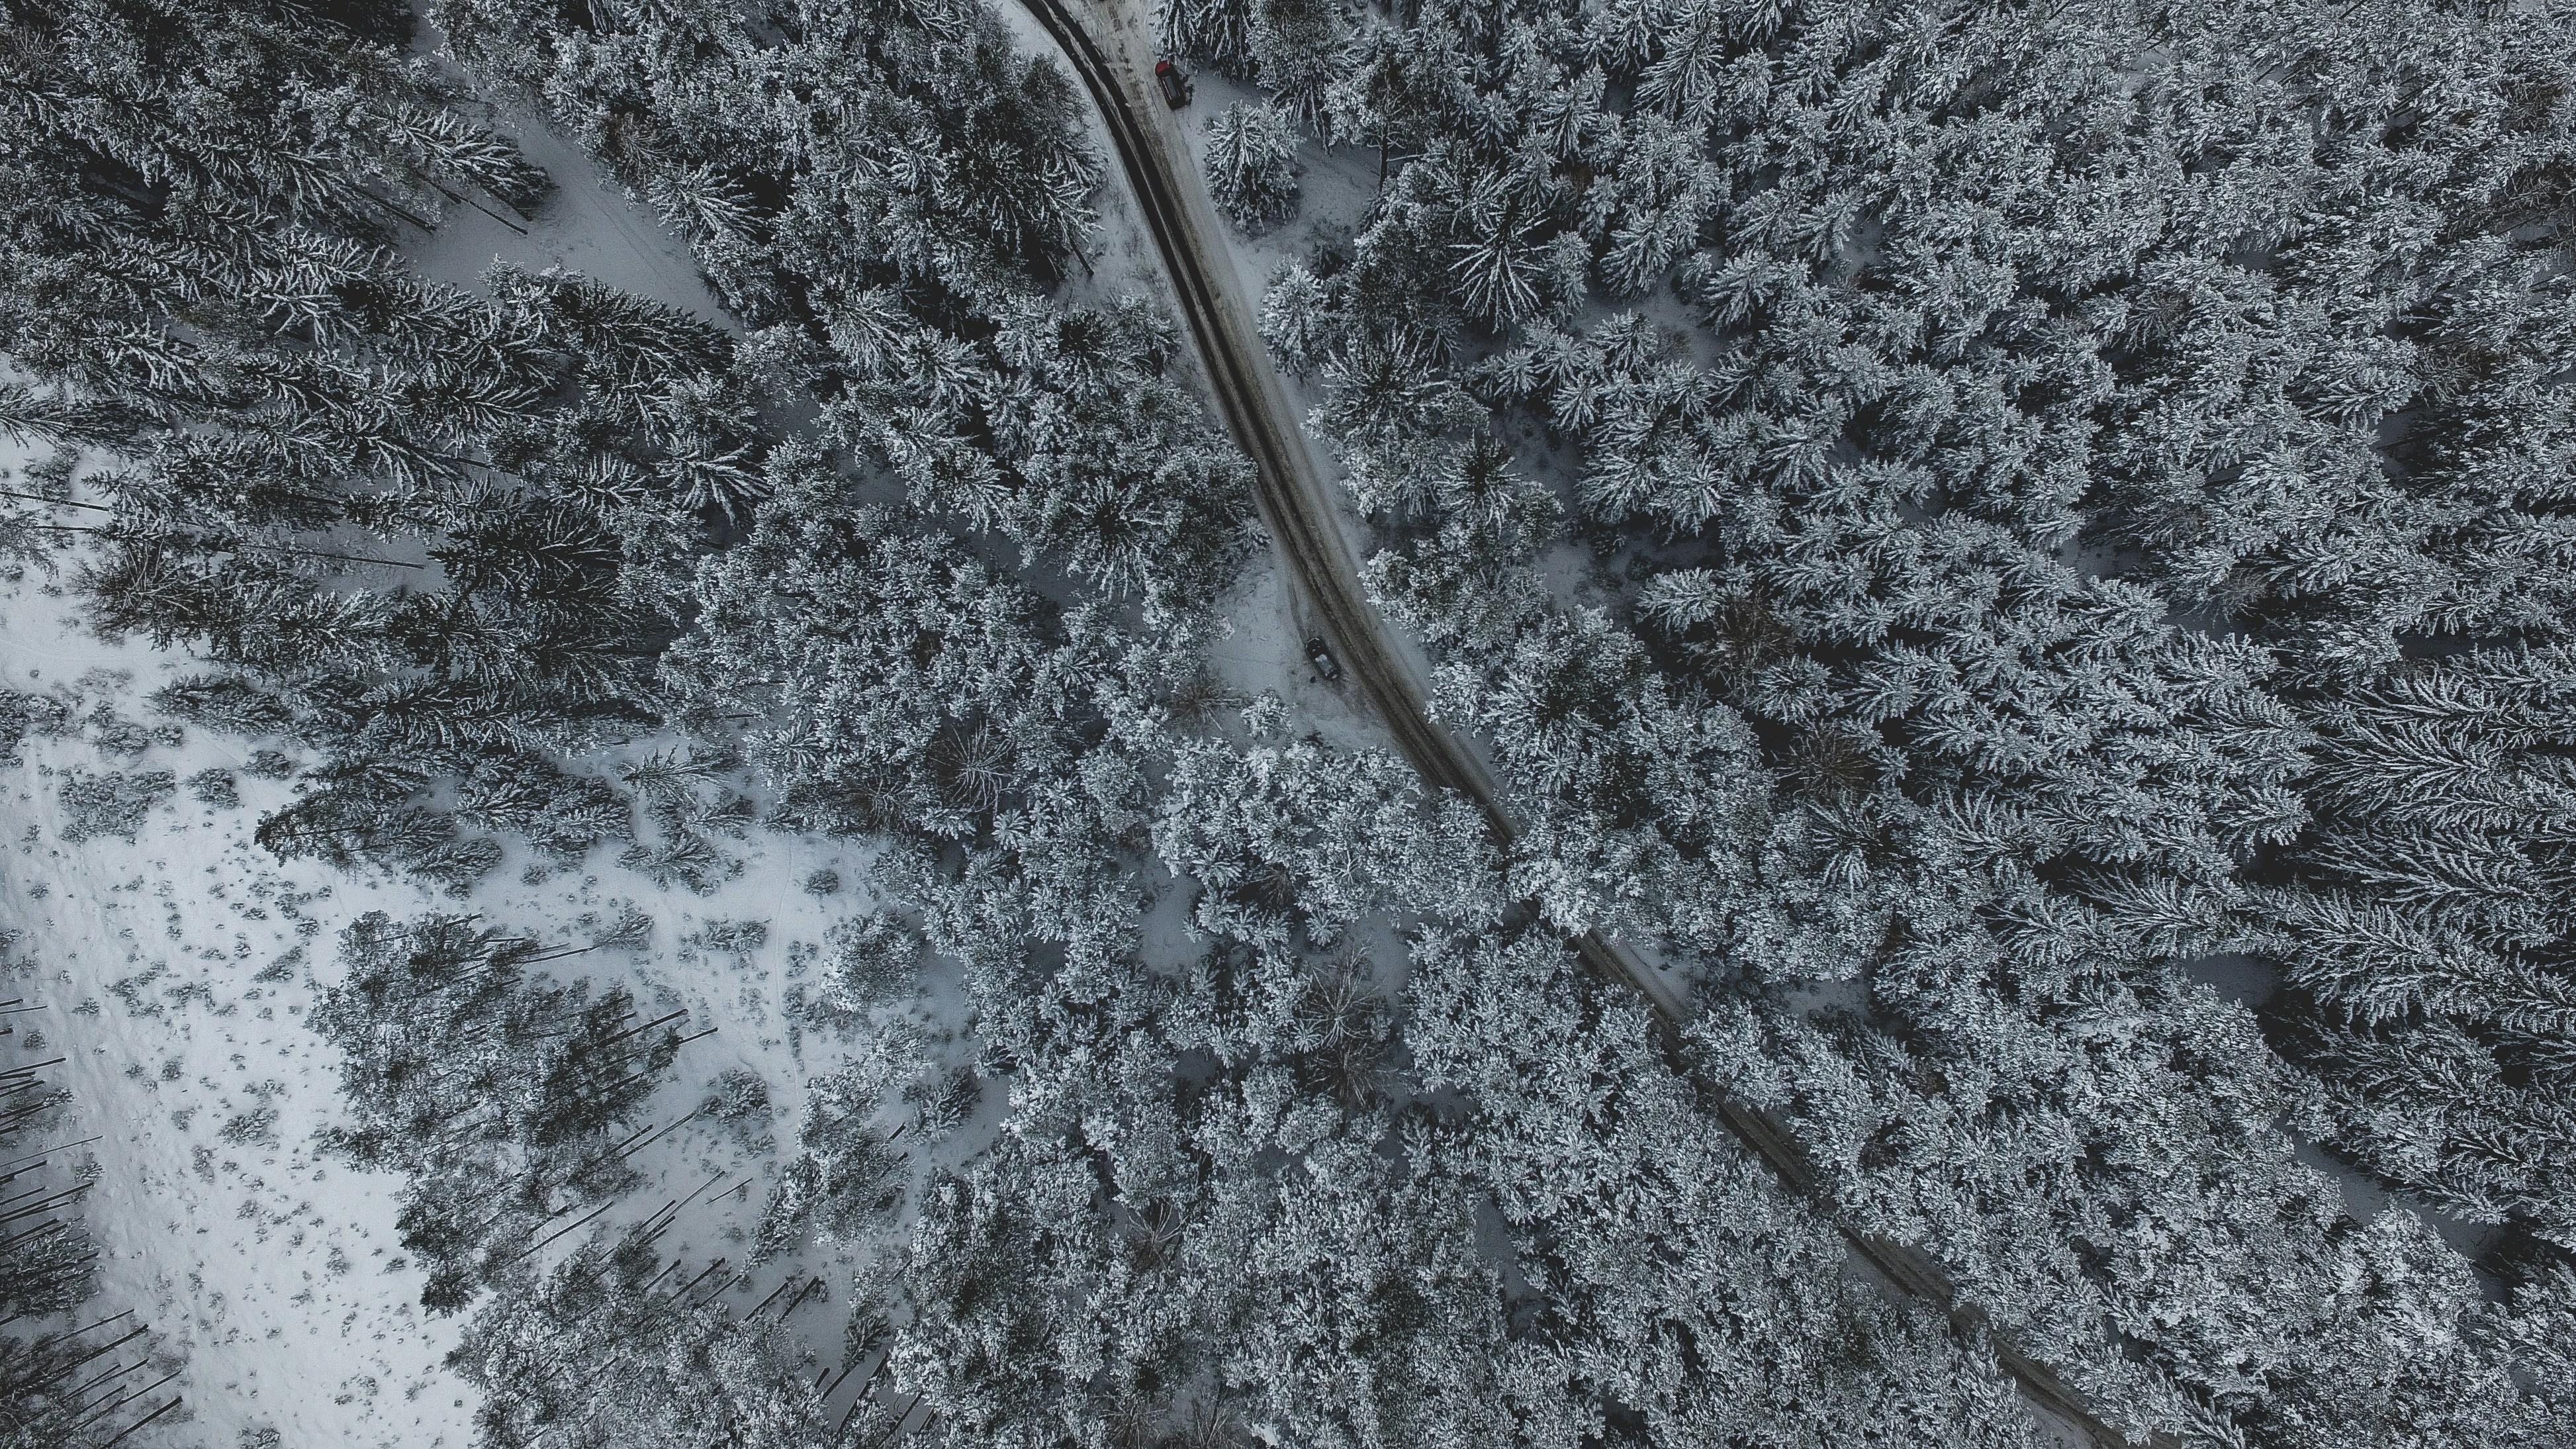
(275,1273)
(589,224)
(176,969)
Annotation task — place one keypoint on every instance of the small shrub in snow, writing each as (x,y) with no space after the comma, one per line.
(1252,164)
(44,715)
(823,883)
(254,1128)
(114,734)
(271,765)
(740,1099)
(738,937)
(216,788)
(870,958)
(111,804)
(221,702)
(631,931)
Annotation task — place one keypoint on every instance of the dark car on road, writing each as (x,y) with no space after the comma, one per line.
(1322,659)
(1174,81)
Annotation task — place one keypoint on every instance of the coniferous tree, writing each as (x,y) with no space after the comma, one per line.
(203,291)
(612,1347)
(503,1099)
(2035,517)
(1251,163)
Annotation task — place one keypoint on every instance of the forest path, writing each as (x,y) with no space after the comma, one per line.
(1320,560)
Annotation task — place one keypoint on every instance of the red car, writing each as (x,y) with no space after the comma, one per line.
(1174,81)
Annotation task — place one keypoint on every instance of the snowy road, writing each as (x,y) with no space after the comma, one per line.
(1306,530)
(1294,501)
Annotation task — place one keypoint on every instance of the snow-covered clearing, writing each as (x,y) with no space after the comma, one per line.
(176,969)
(588,224)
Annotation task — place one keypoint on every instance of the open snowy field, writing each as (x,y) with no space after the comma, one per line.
(175,966)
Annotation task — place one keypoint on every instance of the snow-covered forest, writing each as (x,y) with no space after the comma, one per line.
(691,772)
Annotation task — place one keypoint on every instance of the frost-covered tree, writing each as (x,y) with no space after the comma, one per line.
(2429,941)
(614,1349)
(925,149)
(860,650)
(502,1098)
(849,1178)
(70,1375)
(1290,842)
(1669,1256)
(285,430)
(2020,548)
(1251,163)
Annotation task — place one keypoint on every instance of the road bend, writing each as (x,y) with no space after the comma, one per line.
(1297,506)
